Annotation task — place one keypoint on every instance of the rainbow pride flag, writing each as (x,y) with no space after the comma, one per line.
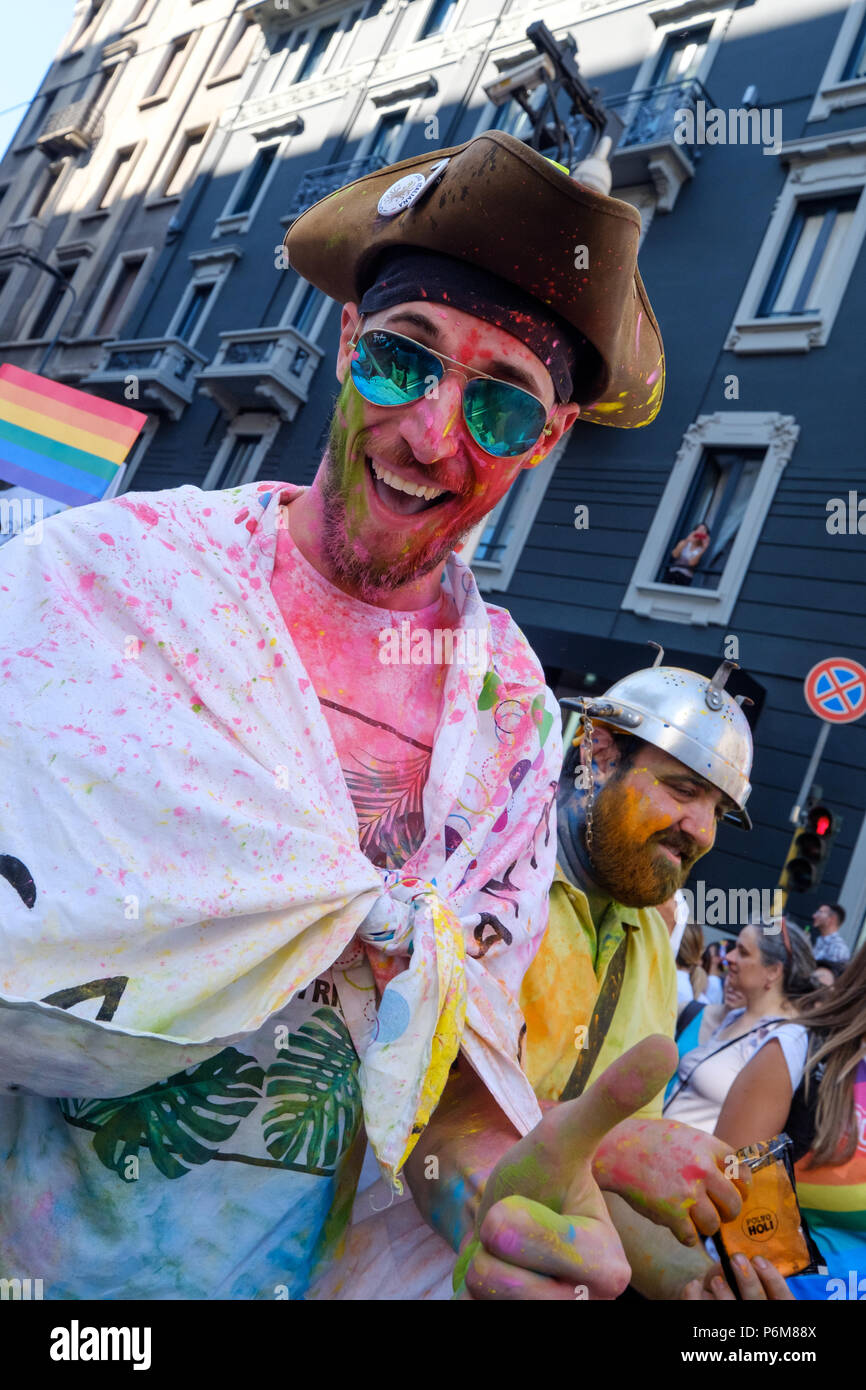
(59,442)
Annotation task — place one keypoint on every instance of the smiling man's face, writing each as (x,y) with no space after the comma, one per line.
(380,534)
(652,821)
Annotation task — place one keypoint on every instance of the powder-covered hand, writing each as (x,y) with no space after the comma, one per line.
(672,1174)
(543,1230)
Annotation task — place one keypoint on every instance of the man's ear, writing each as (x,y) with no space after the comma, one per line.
(349,319)
(560,423)
(605,753)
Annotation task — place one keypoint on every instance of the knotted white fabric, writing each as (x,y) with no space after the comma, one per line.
(179,853)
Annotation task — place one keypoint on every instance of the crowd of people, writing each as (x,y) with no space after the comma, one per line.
(782,1048)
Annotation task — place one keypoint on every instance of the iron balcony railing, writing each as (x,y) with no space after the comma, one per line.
(74,127)
(327,178)
(167,356)
(652,115)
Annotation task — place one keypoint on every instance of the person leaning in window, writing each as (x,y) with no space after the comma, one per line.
(687,555)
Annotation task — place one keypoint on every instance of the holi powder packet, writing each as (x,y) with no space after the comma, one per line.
(770,1223)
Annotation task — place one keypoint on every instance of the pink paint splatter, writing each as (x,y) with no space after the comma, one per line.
(145,513)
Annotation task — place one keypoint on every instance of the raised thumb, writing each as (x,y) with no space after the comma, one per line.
(554,1158)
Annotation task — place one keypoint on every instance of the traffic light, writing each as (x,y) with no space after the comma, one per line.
(810,848)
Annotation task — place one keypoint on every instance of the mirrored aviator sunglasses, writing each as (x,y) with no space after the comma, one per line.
(391,370)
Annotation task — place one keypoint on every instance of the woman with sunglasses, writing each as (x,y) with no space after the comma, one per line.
(771,966)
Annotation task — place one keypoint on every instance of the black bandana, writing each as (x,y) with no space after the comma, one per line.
(406,273)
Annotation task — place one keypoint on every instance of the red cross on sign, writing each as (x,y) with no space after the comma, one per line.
(835,689)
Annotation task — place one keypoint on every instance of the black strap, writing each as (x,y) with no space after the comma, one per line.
(739,1038)
(691,1010)
(605,1007)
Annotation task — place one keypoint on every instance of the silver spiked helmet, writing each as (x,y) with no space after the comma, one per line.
(689,716)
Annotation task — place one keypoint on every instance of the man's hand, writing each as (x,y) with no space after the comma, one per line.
(757,1280)
(543,1230)
(671,1174)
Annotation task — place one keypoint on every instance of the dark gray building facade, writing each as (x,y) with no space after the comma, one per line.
(740,134)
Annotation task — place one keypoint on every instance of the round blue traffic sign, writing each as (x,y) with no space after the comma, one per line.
(835,689)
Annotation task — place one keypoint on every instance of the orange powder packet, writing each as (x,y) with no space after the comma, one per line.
(769,1223)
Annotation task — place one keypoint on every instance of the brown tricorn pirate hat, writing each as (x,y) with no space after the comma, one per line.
(496,203)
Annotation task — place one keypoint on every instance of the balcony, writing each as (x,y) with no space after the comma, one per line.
(70,130)
(327,178)
(165,370)
(651,148)
(259,367)
(25,235)
(271,11)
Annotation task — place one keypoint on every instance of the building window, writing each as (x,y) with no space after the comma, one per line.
(716,505)
(388,136)
(815,235)
(843,83)
(168,71)
(118,174)
(51,302)
(809,251)
(137,12)
(503,534)
(512,118)
(243,450)
(855,67)
(185,160)
(438,18)
(253,180)
(305,310)
(724,478)
(678,61)
(88,23)
(681,55)
(136,454)
(289,41)
(192,313)
(234,468)
(46,187)
(499,525)
(35,119)
(118,295)
(236,52)
(315,54)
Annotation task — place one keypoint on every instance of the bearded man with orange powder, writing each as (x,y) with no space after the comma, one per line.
(659,761)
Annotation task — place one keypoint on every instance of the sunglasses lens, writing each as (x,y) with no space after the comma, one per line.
(390,370)
(504,420)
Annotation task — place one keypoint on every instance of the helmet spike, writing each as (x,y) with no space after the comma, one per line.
(714,697)
(660,653)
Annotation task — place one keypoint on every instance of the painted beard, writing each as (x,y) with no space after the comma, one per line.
(625,860)
(357,569)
